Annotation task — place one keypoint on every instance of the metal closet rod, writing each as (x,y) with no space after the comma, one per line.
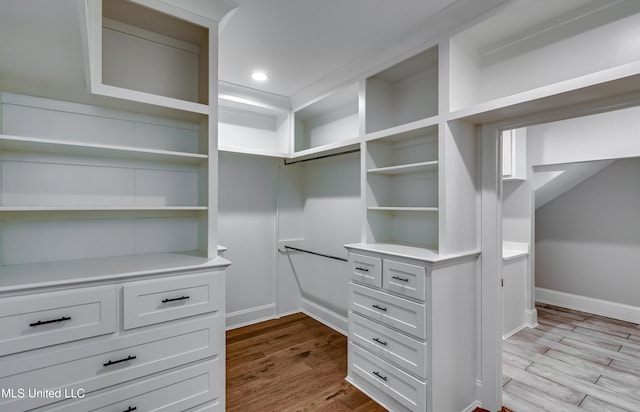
(320,157)
(315,253)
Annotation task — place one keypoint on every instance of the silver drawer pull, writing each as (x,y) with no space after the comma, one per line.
(46,322)
(380,341)
(380,308)
(363,269)
(400,279)
(384,378)
(113,362)
(130,408)
(175,299)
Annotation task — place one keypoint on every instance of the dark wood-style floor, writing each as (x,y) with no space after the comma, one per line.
(573,361)
(294,363)
(290,364)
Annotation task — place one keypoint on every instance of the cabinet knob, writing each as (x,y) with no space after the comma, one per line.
(400,279)
(363,269)
(379,308)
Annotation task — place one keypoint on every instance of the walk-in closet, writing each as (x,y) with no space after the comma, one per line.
(253,205)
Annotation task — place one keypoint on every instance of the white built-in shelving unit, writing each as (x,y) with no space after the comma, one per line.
(108,245)
(402,188)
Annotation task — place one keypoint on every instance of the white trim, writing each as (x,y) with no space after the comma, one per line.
(514,331)
(472,407)
(323,315)
(250,316)
(590,305)
(531,317)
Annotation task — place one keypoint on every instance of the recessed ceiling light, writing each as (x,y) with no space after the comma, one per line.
(259,76)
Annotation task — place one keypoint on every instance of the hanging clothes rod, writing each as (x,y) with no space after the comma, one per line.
(321,157)
(315,253)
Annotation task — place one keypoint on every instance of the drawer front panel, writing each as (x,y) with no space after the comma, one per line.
(173,391)
(94,366)
(389,345)
(405,279)
(407,316)
(44,319)
(366,269)
(161,300)
(404,388)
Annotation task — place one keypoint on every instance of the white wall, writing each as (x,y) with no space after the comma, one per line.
(319,206)
(610,135)
(247,226)
(588,240)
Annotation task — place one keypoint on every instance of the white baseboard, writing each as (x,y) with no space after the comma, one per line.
(590,305)
(513,332)
(531,318)
(323,315)
(250,316)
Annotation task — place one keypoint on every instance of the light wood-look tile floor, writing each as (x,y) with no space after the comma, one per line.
(573,361)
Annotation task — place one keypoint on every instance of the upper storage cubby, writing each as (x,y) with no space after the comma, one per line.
(246,126)
(403,93)
(141,54)
(537,48)
(328,122)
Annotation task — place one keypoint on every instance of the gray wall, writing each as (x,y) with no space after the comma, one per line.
(588,239)
(247,226)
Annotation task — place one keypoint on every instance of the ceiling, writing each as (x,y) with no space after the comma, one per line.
(300,44)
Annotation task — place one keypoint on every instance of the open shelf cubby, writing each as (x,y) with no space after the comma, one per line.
(403,93)
(526,51)
(250,127)
(328,121)
(402,188)
(147,51)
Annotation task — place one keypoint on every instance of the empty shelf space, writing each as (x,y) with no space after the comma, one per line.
(431,166)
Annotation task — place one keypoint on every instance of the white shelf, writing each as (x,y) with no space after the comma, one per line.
(52,274)
(328,149)
(508,65)
(403,209)
(330,121)
(34,144)
(99,208)
(431,166)
(251,127)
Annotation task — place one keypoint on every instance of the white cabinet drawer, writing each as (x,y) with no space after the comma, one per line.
(44,319)
(159,300)
(366,269)
(390,345)
(404,279)
(407,316)
(404,388)
(173,391)
(101,364)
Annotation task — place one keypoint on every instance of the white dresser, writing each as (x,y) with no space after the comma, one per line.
(412,329)
(131,340)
